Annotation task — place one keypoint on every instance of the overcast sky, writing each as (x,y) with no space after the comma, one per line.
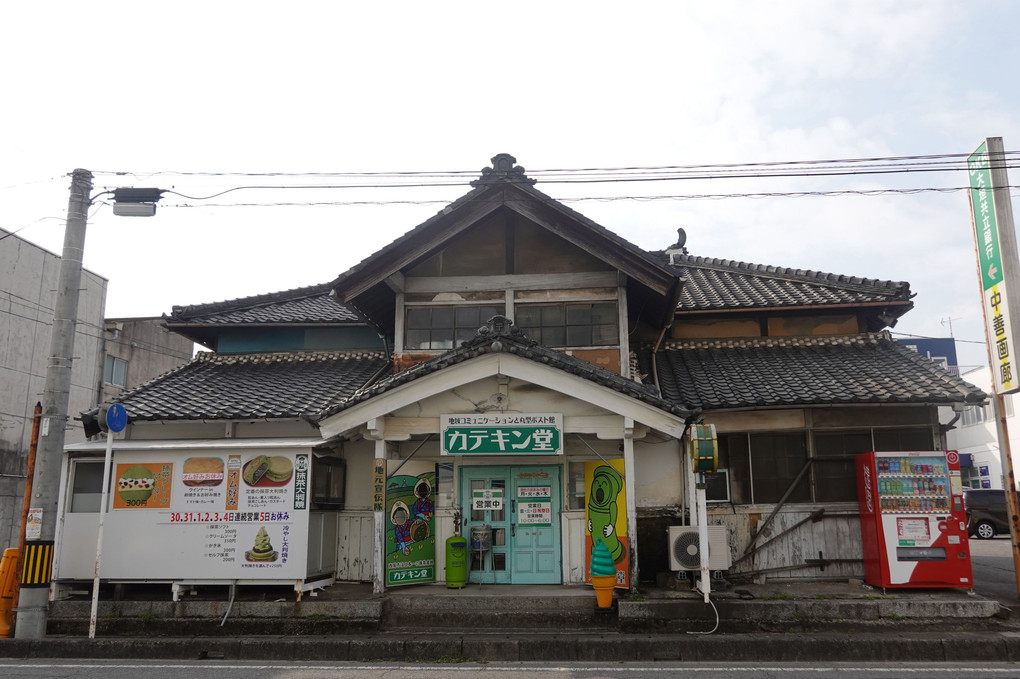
(211,88)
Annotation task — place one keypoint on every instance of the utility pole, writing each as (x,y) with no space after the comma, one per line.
(37,561)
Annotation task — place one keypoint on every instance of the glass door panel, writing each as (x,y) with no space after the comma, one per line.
(484,491)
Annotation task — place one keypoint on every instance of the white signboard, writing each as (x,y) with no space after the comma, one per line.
(33,524)
(208,515)
(487,499)
(534,505)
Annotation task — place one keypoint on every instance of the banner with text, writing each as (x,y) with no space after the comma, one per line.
(237,515)
(502,434)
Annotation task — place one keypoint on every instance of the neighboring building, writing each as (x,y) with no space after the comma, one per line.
(28,289)
(941,350)
(976,437)
(513,368)
(137,350)
(110,356)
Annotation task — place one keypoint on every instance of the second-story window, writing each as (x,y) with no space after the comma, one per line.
(444,327)
(572,324)
(115,371)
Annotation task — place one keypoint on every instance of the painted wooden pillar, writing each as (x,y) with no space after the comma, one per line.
(630,484)
(379,525)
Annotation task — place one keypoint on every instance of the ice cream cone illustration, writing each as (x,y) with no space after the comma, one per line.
(263,549)
(603,574)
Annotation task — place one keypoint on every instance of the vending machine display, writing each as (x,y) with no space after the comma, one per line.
(913,525)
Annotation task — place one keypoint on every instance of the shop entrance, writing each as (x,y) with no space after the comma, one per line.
(522,504)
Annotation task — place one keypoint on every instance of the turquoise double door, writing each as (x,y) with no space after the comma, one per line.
(522,506)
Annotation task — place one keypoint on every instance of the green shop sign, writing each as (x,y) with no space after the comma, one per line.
(502,434)
(985,225)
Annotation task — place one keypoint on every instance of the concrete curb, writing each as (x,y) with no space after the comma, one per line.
(695,609)
(958,647)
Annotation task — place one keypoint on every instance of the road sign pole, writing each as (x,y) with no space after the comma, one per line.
(115,420)
(99,537)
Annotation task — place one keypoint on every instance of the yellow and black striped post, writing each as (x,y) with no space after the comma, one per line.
(37,565)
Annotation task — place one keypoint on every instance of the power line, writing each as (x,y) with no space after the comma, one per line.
(700,196)
(907,334)
(937,162)
(400,183)
(839,167)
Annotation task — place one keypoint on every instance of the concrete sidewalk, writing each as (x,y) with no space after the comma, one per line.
(798,621)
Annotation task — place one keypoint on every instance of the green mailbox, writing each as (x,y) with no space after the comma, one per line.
(456,562)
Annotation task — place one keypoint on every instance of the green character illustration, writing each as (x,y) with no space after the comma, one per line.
(606,484)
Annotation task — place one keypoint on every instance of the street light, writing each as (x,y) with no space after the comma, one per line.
(42,487)
(135,202)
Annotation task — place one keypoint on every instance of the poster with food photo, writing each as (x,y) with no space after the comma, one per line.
(202,472)
(202,484)
(213,514)
(266,482)
(145,485)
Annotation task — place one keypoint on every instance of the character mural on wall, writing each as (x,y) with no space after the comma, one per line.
(423,506)
(606,516)
(401,520)
(411,547)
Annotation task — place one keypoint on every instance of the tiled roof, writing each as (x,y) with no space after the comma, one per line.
(762,372)
(717,284)
(500,335)
(254,386)
(501,187)
(312,304)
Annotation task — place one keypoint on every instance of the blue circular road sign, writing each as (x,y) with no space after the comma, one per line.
(116,417)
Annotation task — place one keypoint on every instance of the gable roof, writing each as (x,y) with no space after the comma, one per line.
(798,371)
(500,335)
(504,186)
(312,305)
(254,386)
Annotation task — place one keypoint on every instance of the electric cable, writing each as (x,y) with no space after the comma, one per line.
(716,610)
(703,196)
(946,161)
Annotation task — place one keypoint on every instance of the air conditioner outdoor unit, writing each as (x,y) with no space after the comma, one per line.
(684,548)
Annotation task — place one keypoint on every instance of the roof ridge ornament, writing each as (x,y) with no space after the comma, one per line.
(503,169)
(677,248)
(496,329)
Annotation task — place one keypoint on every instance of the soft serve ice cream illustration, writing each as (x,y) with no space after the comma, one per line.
(263,549)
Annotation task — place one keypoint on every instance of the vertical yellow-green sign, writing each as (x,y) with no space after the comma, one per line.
(994,263)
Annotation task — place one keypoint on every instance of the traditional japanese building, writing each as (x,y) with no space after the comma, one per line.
(512,370)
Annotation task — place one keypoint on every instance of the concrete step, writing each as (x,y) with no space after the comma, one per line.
(494,614)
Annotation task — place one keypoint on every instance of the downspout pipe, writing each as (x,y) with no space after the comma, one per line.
(958,409)
(655,363)
(673,300)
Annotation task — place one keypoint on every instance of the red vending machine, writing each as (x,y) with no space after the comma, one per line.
(913,525)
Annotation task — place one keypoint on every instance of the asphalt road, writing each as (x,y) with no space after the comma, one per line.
(131,669)
(994,575)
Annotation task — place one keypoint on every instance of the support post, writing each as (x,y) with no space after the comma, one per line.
(99,537)
(33,606)
(630,474)
(33,448)
(1009,483)
(379,529)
